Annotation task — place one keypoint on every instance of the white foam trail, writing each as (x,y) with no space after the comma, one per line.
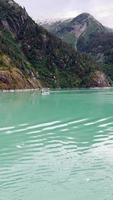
(33,132)
(100,136)
(19,146)
(95,122)
(105,125)
(64,125)
(101,139)
(109,129)
(77,121)
(54,127)
(64,130)
(33,127)
(88,179)
(101,131)
(43,125)
(7,128)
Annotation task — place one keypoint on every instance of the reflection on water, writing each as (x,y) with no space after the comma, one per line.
(56,147)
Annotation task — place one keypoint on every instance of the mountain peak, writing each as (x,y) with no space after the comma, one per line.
(71,30)
(83,17)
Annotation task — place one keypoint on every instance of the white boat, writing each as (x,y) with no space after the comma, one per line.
(45,91)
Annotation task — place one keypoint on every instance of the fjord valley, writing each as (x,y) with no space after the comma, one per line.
(56,100)
(31,57)
(87,35)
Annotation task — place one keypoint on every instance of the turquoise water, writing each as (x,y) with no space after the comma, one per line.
(56,147)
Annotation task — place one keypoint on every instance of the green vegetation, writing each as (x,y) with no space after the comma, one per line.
(12,48)
(100,46)
(94,39)
(35,51)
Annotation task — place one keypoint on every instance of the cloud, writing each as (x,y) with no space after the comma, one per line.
(46,9)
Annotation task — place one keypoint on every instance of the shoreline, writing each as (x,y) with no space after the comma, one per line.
(52,89)
(19,90)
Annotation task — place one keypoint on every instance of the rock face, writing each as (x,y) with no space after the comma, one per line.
(99,80)
(30,57)
(14,79)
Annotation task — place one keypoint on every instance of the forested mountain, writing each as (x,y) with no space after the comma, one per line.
(31,57)
(87,35)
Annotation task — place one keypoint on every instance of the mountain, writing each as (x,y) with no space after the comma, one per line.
(31,57)
(87,35)
(71,30)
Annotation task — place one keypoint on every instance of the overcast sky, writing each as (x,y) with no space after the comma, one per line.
(52,9)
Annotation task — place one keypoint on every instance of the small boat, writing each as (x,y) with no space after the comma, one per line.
(45,91)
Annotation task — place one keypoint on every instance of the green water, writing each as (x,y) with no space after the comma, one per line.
(56,147)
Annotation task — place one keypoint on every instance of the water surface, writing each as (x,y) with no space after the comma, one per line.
(56,147)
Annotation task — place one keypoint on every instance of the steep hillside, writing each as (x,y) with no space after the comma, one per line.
(29,53)
(72,30)
(89,36)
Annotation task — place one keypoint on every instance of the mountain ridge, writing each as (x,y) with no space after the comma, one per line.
(89,36)
(77,25)
(42,59)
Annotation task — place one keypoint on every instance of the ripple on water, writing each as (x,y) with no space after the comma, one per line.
(76,152)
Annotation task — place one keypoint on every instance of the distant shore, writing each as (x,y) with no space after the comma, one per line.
(46,89)
(20,90)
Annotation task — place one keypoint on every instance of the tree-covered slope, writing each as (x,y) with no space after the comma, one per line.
(71,30)
(41,58)
(88,36)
